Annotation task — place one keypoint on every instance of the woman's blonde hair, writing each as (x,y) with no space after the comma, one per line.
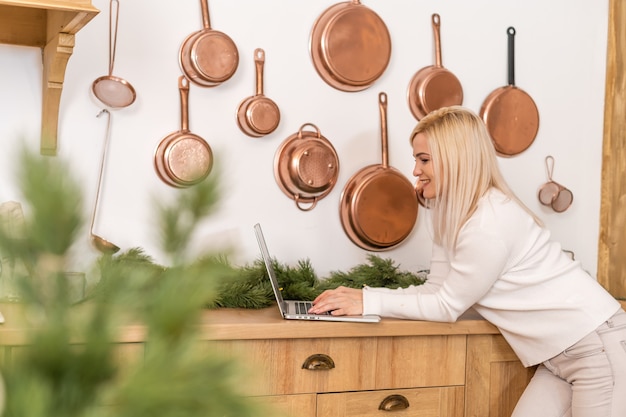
(464,161)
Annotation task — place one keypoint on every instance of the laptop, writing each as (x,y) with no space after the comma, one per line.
(298,310)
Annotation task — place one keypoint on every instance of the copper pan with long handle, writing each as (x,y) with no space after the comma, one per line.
(511,115)
(182,158)
(434,86)
(258,115)
(378,208)
(208,57)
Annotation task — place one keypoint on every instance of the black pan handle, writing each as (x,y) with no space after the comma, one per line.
(511,54)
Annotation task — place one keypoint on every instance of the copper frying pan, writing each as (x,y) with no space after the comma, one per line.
(182,158)
(510,114)
(208,57)
(378,208)
(434,86)
(350,46)
(258,115)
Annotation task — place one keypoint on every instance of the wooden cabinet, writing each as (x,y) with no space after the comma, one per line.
(51,26)
(324,369)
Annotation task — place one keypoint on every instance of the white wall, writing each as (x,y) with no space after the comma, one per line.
(560,62)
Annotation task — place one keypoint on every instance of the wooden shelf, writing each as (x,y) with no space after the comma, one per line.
(50,25)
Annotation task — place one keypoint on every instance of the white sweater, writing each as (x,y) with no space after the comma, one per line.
(508,269)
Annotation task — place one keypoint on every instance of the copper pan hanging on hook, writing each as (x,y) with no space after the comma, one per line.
(350,46)
(378,208)
(208,57)
(433,87)
(510,113)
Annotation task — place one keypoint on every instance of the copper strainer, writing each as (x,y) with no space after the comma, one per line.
(552,193)
(112,91)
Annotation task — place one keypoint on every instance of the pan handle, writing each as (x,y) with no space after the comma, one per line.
(436,21)
(382,105)
(296,198)
(259,61)
(206,20)
(183,87)
(511,54)
(317,130)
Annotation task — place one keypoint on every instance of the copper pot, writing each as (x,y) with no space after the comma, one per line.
(378,208)
(258,115)
(306,167)
(208,57)
(350,46)
(510,114)
(434,87)
(182,158)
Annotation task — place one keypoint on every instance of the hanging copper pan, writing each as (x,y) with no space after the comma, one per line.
(258,115)
(510,114)
(306,167)
(182,158)
(208,57)
(378,208)
(350,46)
(434,87)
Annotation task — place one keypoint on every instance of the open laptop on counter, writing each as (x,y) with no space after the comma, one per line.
(298,310)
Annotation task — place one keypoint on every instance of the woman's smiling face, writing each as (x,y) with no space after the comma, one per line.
(423,167)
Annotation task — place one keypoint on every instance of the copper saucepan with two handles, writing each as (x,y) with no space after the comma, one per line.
(306,167)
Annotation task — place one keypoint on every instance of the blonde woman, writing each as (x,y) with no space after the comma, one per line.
(490,252)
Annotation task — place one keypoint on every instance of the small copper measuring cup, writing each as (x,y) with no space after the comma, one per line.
(553,194)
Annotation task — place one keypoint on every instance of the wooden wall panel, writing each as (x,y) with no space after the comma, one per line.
(612,239)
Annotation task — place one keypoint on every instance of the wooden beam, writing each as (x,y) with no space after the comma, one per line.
(612,239)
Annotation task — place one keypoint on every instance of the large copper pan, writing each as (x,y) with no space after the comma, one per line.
(306,167)
(510,114)
(378,208)
(350,46)
(183,158)
(208,57)
(434,87)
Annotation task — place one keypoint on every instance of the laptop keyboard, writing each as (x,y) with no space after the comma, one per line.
(302,307)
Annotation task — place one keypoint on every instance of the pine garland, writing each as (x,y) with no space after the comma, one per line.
(248,286)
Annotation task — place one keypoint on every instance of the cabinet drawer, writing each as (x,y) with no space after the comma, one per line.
(420,361)
(300,405)
(299,366)
(422,402)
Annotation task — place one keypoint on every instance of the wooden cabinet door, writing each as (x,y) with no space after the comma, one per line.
(420,361)
(420,402)
(300,366)
(495,378)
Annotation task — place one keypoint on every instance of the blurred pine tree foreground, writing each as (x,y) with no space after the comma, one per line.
(69,368)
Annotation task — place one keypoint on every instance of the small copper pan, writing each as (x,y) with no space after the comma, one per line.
(208,57)
(434,86)
(350,46)
(510,114)
(378,208)
(258,115)
(306,167)
(182,158)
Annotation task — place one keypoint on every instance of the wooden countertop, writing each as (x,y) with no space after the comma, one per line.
(230,324)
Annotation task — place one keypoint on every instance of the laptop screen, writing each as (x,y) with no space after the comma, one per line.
(267,259)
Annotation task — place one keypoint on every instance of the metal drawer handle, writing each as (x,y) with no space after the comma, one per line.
(394,403)
(318,362)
